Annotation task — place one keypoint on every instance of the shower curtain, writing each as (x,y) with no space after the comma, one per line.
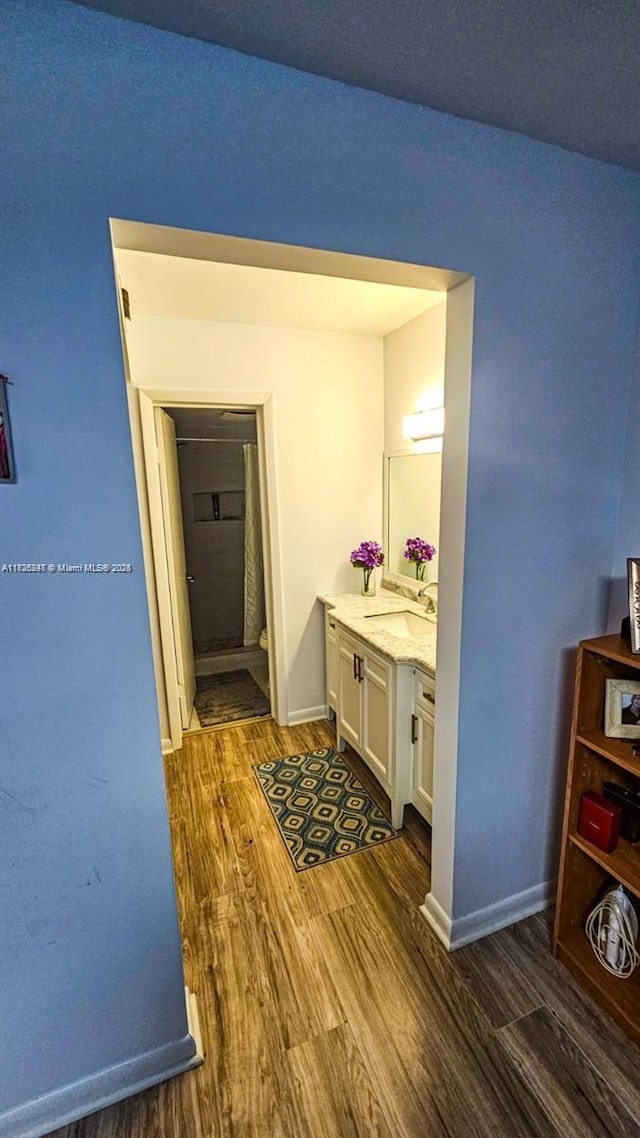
(254,619)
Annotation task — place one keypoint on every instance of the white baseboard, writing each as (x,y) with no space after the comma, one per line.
(307,715)
(435,916)
(167,746)
(193,1021)
(463,930)
(62,1107)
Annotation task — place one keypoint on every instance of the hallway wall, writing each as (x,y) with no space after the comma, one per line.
(413,370)
(328,412)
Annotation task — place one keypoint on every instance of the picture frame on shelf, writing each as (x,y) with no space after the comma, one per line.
(622,709)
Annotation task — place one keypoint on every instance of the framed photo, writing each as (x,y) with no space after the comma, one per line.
(622,709)
(7,468)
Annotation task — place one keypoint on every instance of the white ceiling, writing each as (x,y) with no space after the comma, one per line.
(213,423)
(181,288)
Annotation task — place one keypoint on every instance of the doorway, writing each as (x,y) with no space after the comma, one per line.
(219,498)
(182,492)
(301,335)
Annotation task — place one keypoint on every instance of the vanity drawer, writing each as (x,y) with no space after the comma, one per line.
(425,691)
(330,627)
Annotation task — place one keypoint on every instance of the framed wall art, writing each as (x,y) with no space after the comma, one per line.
(7,466)
(633,579)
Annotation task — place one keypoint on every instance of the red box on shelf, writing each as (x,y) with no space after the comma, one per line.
(599,821)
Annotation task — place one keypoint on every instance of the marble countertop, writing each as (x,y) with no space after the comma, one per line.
(351,611)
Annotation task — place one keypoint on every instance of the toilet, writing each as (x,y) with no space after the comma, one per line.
(264,640)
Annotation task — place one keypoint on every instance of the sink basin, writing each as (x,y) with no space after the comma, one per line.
(406,625)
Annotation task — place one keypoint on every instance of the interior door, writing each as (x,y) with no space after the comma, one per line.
(176,563)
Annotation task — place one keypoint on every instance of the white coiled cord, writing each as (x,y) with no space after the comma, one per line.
(612,928)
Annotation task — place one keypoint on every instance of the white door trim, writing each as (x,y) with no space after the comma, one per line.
(173,527)
(168,691)
(459,289)
(167,682)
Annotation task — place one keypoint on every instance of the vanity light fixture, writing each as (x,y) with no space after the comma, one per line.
(424,424)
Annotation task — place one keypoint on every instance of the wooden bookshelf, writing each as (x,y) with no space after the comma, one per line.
(618,997)
(586,871)
(617,751)
(622,863)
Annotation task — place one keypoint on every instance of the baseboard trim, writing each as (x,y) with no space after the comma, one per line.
(455,934)
(193,1021)
(436,917)
(307,715)
(167,746)
(62,1107)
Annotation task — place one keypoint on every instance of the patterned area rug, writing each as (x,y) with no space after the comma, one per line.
(322,810)
(227,696)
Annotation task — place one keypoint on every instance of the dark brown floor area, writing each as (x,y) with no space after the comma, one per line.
(330,1010)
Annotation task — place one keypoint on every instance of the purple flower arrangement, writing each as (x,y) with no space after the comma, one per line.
(367,557)
(420,552)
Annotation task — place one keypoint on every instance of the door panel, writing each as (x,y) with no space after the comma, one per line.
(350,700)
(331,649)
(176,564)
(376,732)
(423,762)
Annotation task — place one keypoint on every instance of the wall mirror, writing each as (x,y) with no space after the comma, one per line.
(412,486)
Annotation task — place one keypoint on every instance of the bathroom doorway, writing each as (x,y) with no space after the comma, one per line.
(219,482)
(210,525)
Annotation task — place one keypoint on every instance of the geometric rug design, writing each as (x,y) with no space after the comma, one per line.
(321,808)
(227,696)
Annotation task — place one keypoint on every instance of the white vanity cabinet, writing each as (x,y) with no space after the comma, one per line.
(422,729)
(365,704)
(385,711)
(331,660)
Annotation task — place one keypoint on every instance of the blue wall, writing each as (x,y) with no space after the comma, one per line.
(105,118)
(628,527)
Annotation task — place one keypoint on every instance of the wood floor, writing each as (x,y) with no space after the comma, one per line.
(329,1009)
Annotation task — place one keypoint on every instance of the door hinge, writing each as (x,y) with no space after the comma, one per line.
(126,303)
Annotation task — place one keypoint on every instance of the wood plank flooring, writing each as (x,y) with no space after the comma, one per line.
(329,1009)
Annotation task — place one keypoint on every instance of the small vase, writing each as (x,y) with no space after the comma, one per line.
(420,568)
(368,583)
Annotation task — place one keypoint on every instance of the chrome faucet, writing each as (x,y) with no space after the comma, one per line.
(430,603)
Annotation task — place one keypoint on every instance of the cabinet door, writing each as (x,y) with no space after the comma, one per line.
(349,691)
(423,761)
(331,661)
(377,716)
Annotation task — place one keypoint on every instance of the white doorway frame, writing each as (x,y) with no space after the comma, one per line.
(145,443)
(460,290)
